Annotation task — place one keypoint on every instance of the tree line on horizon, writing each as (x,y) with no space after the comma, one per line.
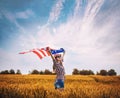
(11,71)
(102,72)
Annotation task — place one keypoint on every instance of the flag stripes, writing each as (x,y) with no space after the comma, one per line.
(43,52)
(39,52)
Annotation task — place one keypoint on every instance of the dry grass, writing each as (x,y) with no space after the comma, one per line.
(42,86)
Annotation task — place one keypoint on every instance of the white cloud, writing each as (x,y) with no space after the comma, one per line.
(8,59)
(12,18)
(55,12)
(83,36)
(25,14)
(75,33)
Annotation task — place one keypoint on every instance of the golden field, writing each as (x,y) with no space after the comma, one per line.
(42,86)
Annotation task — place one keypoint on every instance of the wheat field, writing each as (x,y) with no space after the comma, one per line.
(42,86)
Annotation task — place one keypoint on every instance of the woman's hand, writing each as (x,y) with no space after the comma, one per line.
(48,48)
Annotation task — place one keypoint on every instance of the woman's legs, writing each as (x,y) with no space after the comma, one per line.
(59,84)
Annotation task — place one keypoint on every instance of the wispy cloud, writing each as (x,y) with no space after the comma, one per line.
(24,14)
(77,7)
(71,31)
(86,34)
(11,17)
(76,33)
(92,9)
(55,12)
(7,58)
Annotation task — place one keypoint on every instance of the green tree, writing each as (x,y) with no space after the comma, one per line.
(86,72)
(103,72)
(35,71)
(111,72)
(18,72)
(4,72)
(41,72)
(47,72)
(75,71)
(12,71)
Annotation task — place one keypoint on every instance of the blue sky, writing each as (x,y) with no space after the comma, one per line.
(87,29)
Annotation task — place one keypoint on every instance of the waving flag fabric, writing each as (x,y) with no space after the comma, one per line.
(39,52)
(43,52)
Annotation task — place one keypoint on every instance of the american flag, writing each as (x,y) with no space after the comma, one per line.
(43,52)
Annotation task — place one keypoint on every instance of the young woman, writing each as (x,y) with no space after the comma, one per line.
(58,69)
